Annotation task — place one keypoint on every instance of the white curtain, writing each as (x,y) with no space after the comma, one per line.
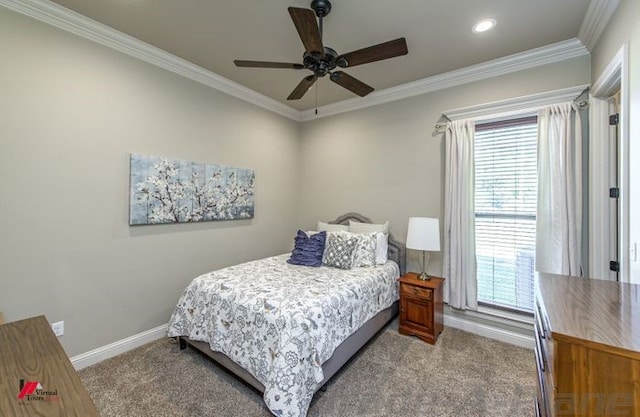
(559,213)
(459,254)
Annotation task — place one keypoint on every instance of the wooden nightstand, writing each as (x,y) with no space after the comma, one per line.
(421,307)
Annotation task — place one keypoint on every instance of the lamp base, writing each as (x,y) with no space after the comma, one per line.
(424,277)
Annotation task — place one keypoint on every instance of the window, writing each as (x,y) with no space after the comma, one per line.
(505,211)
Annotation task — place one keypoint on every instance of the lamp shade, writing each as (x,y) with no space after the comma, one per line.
(423,234)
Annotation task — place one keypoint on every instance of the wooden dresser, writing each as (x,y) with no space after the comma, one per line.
(587,347)
(36,376)
(421,307)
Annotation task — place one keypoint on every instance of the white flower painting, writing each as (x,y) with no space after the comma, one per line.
(164,190)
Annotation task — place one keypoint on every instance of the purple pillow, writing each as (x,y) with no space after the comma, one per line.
(308,250)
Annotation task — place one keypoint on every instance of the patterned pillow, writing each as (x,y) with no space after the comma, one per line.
(340,249)
(365,250)
(382,245)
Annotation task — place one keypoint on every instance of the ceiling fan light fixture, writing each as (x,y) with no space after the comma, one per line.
(484,25)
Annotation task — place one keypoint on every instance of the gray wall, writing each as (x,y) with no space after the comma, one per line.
(624,28)
(384,162)
(71,111)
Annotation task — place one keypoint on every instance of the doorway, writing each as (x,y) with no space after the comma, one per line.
(614,185)
(609,229)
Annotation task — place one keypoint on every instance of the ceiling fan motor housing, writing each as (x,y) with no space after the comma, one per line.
(321,66)
(321,7)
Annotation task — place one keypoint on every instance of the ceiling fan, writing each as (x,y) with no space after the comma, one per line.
(322,60)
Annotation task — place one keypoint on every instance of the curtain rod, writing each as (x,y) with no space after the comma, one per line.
(440,125)
(584,102)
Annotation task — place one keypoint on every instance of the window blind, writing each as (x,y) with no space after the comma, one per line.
(505,211)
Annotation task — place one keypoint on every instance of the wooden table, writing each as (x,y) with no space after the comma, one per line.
(36,376)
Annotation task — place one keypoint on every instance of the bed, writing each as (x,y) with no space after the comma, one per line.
(266,336)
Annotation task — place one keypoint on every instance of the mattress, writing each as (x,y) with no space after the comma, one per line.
(281,322)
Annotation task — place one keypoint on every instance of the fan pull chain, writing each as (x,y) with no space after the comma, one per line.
(317,98)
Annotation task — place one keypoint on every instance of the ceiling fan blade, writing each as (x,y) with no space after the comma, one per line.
(302,87)
(352,84)
(267,64)
(374,53)
(305,22)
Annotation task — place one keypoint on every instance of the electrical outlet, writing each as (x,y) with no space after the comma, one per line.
(58,328)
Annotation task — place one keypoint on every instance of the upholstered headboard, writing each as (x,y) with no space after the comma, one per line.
(397,250)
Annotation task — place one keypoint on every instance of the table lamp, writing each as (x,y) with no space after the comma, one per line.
(423,234)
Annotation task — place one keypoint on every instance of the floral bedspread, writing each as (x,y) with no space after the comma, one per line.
(281,322)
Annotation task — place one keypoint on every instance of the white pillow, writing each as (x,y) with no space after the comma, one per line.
(328,227)
(382,248)
(357,227)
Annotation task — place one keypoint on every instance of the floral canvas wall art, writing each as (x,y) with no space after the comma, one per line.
(164,190)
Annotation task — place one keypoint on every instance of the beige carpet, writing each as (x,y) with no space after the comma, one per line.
(463,375)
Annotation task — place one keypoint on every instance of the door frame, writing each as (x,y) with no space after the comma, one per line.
(614,77)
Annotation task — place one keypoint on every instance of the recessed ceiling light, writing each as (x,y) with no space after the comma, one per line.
(484,25)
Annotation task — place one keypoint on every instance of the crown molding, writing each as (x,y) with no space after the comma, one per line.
(70,21)
(524,60)
(609,81)
(595,21)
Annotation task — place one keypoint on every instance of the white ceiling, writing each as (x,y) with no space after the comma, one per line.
(212,34)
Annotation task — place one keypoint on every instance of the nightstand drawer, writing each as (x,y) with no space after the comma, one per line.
(424,293)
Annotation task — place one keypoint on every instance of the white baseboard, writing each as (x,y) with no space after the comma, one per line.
(121,346)
(502,335)
(113,349)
